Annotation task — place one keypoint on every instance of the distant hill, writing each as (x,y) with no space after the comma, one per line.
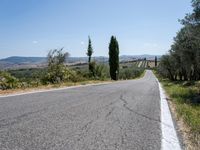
(16,62)
(136,57)
(24,60)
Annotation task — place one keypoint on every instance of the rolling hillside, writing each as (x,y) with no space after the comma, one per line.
(16,62)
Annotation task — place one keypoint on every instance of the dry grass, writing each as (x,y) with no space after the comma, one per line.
(151,64)
(51,86)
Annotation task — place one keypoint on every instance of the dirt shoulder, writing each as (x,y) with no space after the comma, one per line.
(184,130)
(49,87)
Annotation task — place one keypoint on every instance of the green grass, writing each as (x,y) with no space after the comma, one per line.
(183,97)
(188,109)
(137,63)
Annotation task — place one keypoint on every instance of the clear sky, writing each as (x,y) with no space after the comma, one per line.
(32,27)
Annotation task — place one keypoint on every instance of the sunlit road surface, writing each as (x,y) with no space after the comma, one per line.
(124,115)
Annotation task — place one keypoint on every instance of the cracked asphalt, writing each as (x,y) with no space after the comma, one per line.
(124,115)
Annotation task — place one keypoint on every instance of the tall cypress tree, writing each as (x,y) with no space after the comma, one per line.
(114,58)
(89,53)
(156,61)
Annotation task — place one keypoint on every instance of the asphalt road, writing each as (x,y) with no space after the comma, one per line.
(124,115)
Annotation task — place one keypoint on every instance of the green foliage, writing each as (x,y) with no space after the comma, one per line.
(130,73)
(183,60)
(57,71)
(114,58)
(73,76)
(89,53)
(7,81)
(166,68)
(156,61)
(92,66)
(29,74)
(89,50)
(101,72)
(59,74)
(184,99)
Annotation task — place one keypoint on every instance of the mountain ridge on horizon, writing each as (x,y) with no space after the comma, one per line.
(124,55)
(34,62)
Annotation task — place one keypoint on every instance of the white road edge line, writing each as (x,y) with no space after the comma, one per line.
(169,136)
(50,90)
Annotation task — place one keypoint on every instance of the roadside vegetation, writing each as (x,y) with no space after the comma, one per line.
(183,59)
(185,97)
(179,72)
(57,73)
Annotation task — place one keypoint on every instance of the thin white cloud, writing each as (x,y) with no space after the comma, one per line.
(34,42)
(82,43)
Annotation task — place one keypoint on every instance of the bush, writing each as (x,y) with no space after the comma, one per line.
(57,71)
(62,75)
(92,66)
(75,76)
(101,72)
(130,73)
(7,81)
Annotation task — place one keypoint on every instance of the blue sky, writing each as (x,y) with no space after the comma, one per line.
(32,27)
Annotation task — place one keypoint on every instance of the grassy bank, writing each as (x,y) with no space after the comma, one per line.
(185,97)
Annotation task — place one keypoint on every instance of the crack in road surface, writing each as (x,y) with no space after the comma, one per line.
(145,116)
(131,110)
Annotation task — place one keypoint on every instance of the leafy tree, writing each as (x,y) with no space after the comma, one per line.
(57,71)
(114,58)
(166,67)
(184,55)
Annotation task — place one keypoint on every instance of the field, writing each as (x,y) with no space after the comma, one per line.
(32,73)
(140,64)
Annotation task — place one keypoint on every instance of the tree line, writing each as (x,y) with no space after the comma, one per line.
(183,59)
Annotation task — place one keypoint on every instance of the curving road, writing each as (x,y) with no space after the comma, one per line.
(124,115)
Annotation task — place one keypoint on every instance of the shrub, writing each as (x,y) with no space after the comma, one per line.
(130,73)
(64,74)
(92,66)
(57,71)
(7,81)
(101,72)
